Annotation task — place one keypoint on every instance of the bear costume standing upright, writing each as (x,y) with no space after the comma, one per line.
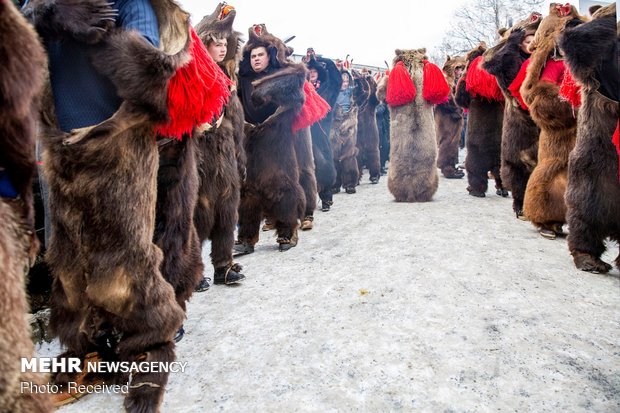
(367,131)
(221,156)
(519,132)
(544,203)
(272,100)
(449,122)
(109,295)
(593,192)
(327,86)
(412,176)
(478,92)
(21,81)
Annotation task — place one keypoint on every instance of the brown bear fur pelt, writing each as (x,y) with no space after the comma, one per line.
(175,233)
(343,138)
(221,154)
(519,147)
(544,203)
(449,122)
(367,131)
(272,186)
(483,136)
(593,192)
(412,176)
(307,173)
(21,80)
(102,200)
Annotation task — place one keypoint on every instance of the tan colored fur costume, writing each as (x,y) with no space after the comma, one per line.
(544,201)
(412,176)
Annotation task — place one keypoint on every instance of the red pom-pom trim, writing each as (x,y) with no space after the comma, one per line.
(570,90)
(482,84)
(196,93)
(400,87)
(314,109)
(435,88)
(616,141)
(515,86)
(553,71)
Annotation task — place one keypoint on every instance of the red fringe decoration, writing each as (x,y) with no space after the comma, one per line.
(515,86)
(400,87)
(553,71)
(481,83)
(196,93)
(435,88)
(616,141)
(570,90)
(314,109)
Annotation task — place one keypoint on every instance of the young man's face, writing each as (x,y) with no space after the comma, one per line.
(526,42)
(259,59)
(314,75)
(345,82)
(217,49)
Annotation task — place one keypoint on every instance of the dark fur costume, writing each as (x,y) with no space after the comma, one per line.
(593,192)
(449,123)
(108,285)
(221,154)
(412,176)
(272,186)
(330,81)
(544,203)
(483,134)
(175,233)
(519,132)
(21,80)
(383,125)
(367,131)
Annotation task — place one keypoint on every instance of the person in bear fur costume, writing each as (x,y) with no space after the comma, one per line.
(477,91)
(21,81)
(221,155)
(327,85)
(593,191)
(367,130)
(109,295)
(412,176)
(271,99)
(519,132)
(449,122)
(343,135)
(544,203)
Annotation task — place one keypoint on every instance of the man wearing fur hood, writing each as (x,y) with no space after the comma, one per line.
(271,90)
(109,298)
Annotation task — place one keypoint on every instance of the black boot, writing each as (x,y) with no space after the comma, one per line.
(204,285)
(230,274)
(242,248)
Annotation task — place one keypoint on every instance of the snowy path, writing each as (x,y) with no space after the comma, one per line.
(449,306)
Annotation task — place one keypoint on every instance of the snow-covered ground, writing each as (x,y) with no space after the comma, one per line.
(447,306)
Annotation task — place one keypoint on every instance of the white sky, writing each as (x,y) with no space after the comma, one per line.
(367,30)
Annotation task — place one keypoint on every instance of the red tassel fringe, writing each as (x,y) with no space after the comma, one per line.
(515,86)
(435,88)
(553,71)
(481,83)
(196,93)
(616,142)
(400,87)
(314,109)
(570,90)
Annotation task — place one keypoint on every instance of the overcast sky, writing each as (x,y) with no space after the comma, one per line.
(368,31)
